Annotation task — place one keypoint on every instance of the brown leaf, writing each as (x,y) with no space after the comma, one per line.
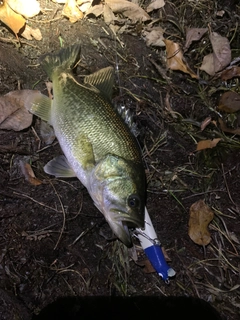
(205,123)
(230,73)
(27,8)
(221,56)
(221,51)
(154,37)
(29,174)
(226,129)
(29,32)
(207,144)
(12,19)
(229,102)
(175,58)
(71,11)
(200,217)
(108,15)
(128,9)
(193,34)
(155,4)
(13,114)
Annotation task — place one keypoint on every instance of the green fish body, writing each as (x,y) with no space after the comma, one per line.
(98,146)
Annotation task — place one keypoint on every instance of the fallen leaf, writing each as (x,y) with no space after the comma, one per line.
(205,123)
(221,51)
(128,9)
(193,34)
(208,64)
(27,8)
(28,173)
(71,11)
(221,56)
(13,114)
(155,4)
(47,133)
(29,32)
(229,102)
(230,73)
(108,15)
(224,128)
(175,58)
(207,144)
(12,19)
(154,37)
(200,217)
(96,10)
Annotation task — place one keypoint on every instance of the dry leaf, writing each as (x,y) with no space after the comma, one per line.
(221,56)
(154,37)
(28,33)
(226,129)
(229,102)
(71,11)
(128,9)
(208,64)
(200,217)
(175,58)
(27,8)
(108,15)
(96,10)
(221,51)
(155,4)
(193,34)
(28,173)
(230,73)
(47,133)
(13,114)
(205,123)
(207,144)
(12,19)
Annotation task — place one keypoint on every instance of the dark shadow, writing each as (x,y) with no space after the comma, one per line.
(78,308)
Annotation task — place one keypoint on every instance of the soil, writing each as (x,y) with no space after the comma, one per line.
(39,260)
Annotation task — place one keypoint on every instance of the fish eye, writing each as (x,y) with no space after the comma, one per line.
(133,201)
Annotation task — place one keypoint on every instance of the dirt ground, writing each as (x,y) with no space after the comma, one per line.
(39,261)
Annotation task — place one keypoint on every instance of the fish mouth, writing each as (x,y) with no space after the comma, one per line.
(120,225)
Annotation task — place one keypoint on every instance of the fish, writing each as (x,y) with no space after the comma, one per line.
(98,146)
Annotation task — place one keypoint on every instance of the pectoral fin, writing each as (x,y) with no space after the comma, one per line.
(40,105)
(60,168)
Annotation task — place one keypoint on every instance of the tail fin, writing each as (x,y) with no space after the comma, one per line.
(63,60)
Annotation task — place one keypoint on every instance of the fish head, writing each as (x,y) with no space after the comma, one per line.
(118,191)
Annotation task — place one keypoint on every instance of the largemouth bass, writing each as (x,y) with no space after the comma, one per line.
(99,148)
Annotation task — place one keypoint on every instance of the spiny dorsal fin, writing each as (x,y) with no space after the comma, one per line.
(102,80)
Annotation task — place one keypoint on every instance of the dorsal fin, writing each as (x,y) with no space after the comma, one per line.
(102,80)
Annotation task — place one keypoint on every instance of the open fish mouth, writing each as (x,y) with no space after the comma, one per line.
(121,225)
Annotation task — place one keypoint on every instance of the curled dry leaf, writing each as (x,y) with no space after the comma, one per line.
(200,217)
(28,173)
(12,19)
(221,56)
(29,32)
(13,114)
(193,34)
(229,102)
(230,73)
(205,123)
(108,15)
(71,11)
(155,4)
(224,128)
(207,144)
(96,10)
(27,8)
(154,37)
(175,58)
(128,9)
